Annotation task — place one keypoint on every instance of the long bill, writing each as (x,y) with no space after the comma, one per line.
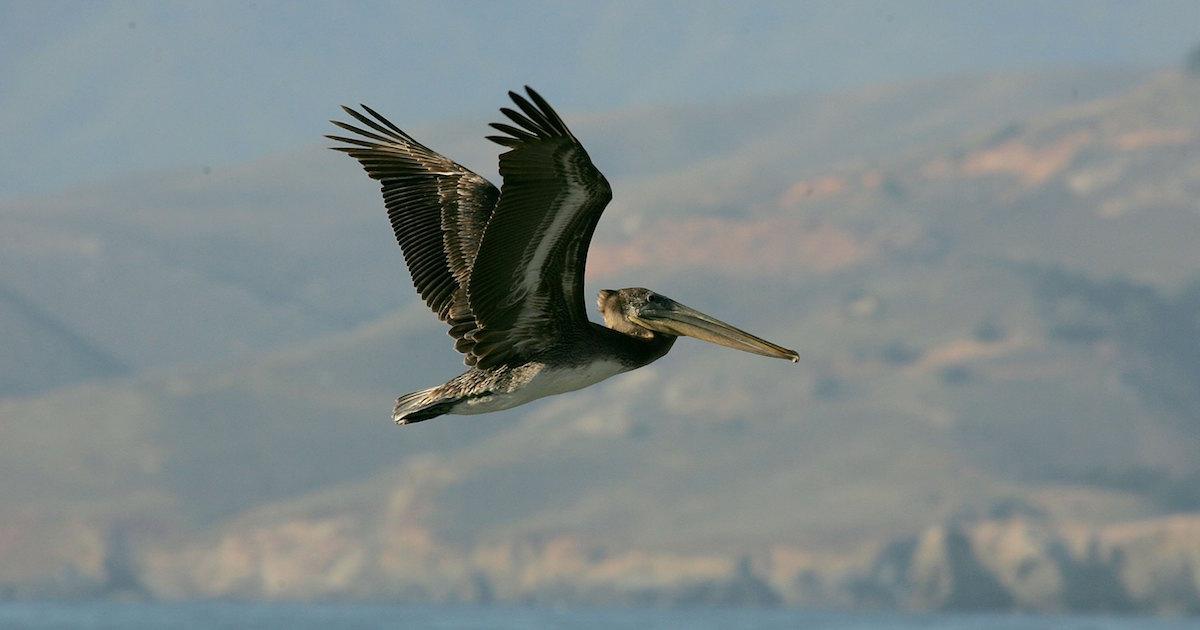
(673,318)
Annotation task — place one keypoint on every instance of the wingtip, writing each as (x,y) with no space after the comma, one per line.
(504,141)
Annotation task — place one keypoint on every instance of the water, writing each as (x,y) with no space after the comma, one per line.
(302,616)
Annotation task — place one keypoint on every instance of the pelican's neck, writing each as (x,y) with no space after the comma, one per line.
(633,350)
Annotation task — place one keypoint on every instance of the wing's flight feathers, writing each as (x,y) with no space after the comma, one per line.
(521,120)
(504,140)
(541,112)
(552,115)
(364,132)
(355,141)
(538,119)
(387,123)
(519,134)
(541,122)
(389,133)
(526,288)
(505,271)
(437,208)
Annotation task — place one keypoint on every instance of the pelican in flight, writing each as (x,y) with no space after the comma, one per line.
(504,268)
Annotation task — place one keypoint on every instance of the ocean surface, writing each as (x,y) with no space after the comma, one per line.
(219,615)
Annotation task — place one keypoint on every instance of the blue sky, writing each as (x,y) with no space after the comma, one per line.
(93,91)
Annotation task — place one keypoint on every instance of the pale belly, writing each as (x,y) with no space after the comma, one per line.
(538,381)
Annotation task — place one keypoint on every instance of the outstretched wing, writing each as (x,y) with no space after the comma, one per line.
(438,210)
(526,288)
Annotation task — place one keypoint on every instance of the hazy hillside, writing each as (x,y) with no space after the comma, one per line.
(50,353)
(179,268)
(991,283)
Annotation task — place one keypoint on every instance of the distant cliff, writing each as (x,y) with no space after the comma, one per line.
(1017,564)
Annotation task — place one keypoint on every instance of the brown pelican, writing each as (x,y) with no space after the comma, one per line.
(504,268)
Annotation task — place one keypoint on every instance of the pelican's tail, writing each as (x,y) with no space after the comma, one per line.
(422,405)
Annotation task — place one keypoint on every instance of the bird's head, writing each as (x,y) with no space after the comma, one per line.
(643,313)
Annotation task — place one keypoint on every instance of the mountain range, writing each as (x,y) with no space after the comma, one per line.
(992,282)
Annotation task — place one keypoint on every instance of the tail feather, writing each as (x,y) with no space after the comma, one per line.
(420,405)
